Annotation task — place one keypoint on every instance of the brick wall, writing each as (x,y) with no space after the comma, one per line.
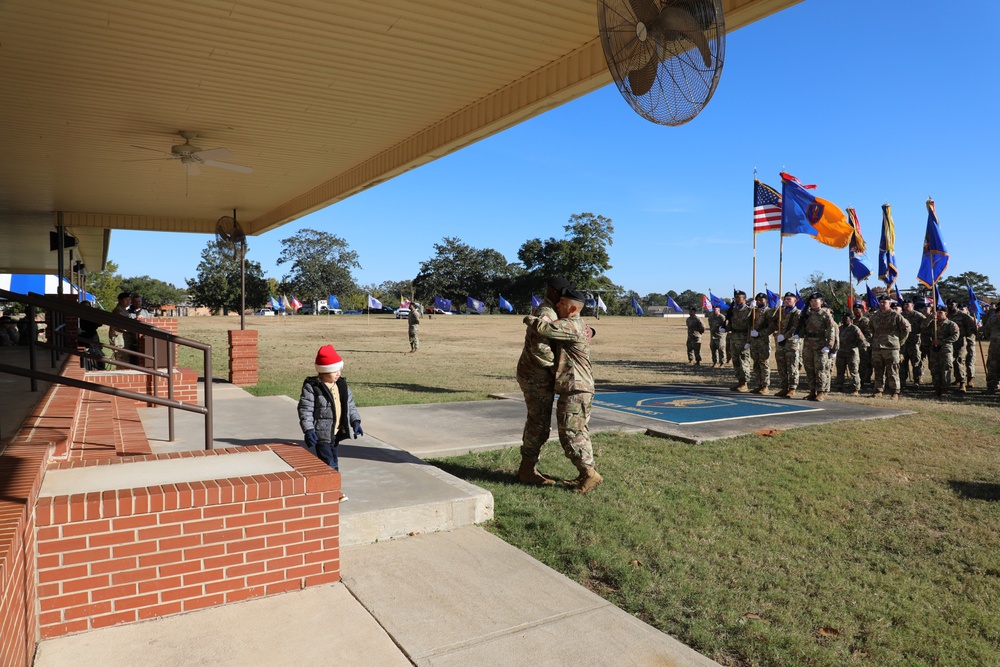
(185,383)
(120,556)
(243,357)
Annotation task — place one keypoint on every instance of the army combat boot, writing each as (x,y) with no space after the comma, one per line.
(590,479)
(529,475)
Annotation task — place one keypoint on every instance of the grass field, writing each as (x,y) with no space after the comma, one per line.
(868,543)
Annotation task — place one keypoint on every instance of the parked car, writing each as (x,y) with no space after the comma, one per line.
(402,312)
(436,311)
(266,312)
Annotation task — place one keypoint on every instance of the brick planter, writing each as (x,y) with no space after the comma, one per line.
(243,357)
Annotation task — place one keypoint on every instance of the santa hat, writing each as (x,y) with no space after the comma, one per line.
(328,361)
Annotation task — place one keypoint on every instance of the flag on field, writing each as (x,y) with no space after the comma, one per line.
(535,301)
(673,304)
(601,305)
(974,307)
(636,307)
(285,303)
(403,301)
(858,269)
(887,271)
(275,304)
(766,207)
(857,244)
(505,304)
(332,301)
(474,304)
(935,257)
(373,302)
(706,304)
(717,301)
(805,213)
(442,304)
(871,299)
(772,298)
(296,304)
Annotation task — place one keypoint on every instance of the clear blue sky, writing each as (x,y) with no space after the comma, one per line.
(876,102)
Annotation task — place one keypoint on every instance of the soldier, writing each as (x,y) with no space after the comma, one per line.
(117,336)
(788,351)
(762,326)
(967,328)
(991,330)
(862,322)
(738,325)
(574,381)
(717,342)
(536,377)
(889,333)
(970,350)
(413,322)
(852,342)
(938,338)
(695,330)
(816,328)
(911,349)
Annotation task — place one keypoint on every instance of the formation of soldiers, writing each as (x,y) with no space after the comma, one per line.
(884,351)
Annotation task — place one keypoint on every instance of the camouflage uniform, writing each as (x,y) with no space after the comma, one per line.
(717,342)
(574,382)
(764,323)
(865,365)
(991,330)
(852,342)
(536,377)
(939,361)
(413,319)
(889,332)
(788,352)
(695,330)
(831,362)
(119,337)
(816,328)
(960,359)
(911,357)
(739,330)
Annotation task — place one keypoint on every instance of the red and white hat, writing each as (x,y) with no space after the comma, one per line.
(328,361)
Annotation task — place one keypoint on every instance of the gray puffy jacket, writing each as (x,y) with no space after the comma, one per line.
(316,410)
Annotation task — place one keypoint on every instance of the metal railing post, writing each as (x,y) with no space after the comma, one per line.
(209,438)
(32,338)
(170,391)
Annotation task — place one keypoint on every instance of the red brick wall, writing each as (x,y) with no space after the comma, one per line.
(243,357)
(185,383)
(129,555)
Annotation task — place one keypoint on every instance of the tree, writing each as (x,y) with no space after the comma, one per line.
(321,264)
(458,271)
(582,257)
(654,299)
(955,288)
(218,283)
(689,298)
(105,285)
(835,292)
(153,292)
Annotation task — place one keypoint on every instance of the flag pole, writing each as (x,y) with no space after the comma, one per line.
(781,258)
(753,281)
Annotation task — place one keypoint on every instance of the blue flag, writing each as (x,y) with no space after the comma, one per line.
(772,298)
(535,301)
(974,306)
(805,213)
(636,307)
(858,269)
(275,304)
(505,304)
(935,257)
(717,302)
(799,303)
(474,304)
(442,304)
(871,299)
(672,304)
(899,297)
(938,301)
(887,271)
(332,301)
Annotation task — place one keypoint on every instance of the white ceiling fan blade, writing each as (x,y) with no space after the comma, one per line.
(230,166)
(214,154)
(191,169)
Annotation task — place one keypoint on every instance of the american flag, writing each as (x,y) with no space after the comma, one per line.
(766,208)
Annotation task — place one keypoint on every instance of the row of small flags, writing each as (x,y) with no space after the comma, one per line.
(285,303)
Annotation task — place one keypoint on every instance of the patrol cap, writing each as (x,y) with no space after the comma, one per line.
(788,294)
(574,294)
(760,295)
(559,284)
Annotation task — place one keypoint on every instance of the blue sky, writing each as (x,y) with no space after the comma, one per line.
(876,102)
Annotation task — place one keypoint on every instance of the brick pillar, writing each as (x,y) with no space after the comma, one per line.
(243,357)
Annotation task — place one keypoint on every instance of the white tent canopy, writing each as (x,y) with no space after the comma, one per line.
(23,283)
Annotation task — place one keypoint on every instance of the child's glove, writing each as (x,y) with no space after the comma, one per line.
(311,438)
(357,429)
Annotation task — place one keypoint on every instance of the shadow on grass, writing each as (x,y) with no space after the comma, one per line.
(482,475)
(976,490)
(416,388)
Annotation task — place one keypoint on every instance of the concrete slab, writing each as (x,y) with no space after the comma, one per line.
(317,626)
(153,473)
(467,598)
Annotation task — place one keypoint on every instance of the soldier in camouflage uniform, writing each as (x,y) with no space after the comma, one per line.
(970,350)
(862,322)
(889,332)
(938,339)
(574,382)
(536,377)
(967,328)
(852,342)
(717,330)
(413,322)
(761,327)
(816,328)
(738,328)
(695,330)
(911,357)
(991,331)
(788,352)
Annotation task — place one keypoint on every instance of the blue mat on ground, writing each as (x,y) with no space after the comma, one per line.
(694,405)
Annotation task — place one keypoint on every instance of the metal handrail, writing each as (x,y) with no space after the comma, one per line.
(58,337)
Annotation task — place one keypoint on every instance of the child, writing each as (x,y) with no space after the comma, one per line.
(327,413)
(574,383)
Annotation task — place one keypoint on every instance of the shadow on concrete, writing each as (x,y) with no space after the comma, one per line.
(416,388)
(976,490)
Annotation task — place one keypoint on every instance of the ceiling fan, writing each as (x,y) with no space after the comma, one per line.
(193,157)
